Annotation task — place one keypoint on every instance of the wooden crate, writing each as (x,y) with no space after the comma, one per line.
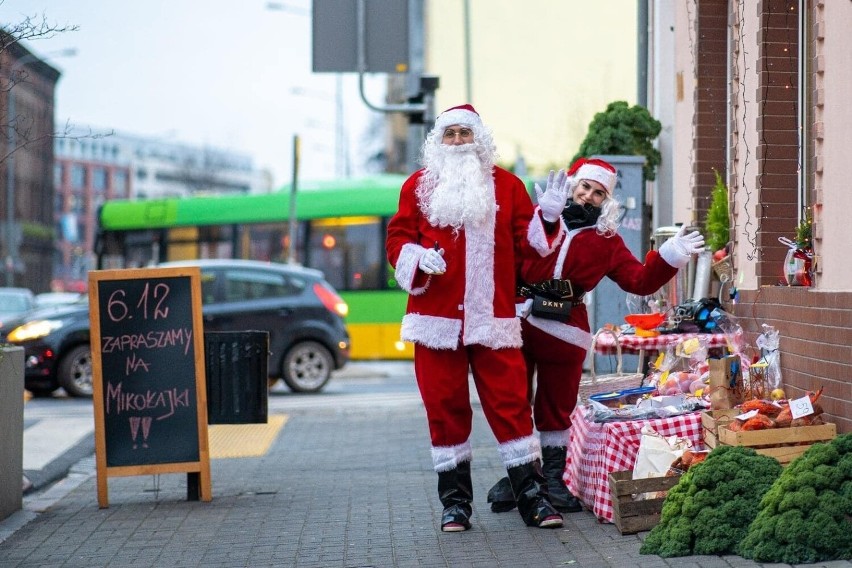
(629,515)
(711,421)
(783,444)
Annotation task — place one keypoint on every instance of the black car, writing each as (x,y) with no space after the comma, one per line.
(301,311)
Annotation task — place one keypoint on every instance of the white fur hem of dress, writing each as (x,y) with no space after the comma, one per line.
(443,333)
(445,458)
(563,331)
(520,451)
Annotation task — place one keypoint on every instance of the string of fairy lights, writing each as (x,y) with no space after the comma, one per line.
(749,228)
(744,188)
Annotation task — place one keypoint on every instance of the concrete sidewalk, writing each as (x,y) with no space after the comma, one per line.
(339,487)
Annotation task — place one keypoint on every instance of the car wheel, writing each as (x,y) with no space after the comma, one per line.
(75,372)
(307,367)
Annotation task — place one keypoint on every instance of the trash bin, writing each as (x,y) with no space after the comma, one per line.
(236,369)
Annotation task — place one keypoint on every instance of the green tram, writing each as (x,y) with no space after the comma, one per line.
(342,225)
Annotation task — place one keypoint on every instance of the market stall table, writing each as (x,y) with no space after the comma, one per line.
(629,343)
(598,449)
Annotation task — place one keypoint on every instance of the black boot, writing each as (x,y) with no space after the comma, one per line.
(530,491)
(553,467)
(455,489)
(501,497)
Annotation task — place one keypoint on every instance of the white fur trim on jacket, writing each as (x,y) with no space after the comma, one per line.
(432,331)
(563,331)
(520,451)
(538,237)
(554,438)
(673,256)
(445,458)
(406,268)
(563,251)
(480,325)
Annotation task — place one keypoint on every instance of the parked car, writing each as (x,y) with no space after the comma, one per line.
(56,298)
(15,302)
(301,311)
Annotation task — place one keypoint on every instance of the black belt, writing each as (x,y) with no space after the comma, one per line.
(554,289)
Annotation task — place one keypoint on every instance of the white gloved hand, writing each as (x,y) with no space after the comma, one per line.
(690,244)
(432,262)
(552,200)
(677,250)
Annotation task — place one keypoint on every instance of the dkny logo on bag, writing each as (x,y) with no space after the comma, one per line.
(551,309)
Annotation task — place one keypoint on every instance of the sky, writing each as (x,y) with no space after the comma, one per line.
(229,74)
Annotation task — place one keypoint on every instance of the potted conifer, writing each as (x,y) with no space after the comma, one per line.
(717,229)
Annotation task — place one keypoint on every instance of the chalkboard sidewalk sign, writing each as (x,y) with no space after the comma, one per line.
(149,392)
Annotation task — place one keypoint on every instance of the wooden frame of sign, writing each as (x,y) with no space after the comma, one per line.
(148,375)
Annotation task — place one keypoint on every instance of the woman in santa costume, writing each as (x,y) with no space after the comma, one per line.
(462,227)
(555,349)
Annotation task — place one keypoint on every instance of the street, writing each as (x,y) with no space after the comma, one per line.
(347,481)
(59,430)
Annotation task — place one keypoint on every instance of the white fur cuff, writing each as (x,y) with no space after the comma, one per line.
(537,236)
(554,439)
(521,451)
(406,268)
(445,458)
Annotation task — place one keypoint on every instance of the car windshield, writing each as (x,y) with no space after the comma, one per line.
(14,302)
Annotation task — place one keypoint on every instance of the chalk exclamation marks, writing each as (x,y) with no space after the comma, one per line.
(134,429)
(146,428)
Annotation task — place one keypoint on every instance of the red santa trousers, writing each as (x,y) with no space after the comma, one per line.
(558,368)
(500,379)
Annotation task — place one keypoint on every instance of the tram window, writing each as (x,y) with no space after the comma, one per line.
(350,254)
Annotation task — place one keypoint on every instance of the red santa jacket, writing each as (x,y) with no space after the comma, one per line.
(585,257)
(475,298)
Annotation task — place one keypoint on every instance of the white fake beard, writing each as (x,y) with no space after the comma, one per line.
(456,189)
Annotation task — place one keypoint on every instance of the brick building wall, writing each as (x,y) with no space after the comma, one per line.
(711,46)
(778,136)
(815,331)
(815,327)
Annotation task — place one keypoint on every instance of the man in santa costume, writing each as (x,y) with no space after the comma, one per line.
(456,242)
(555,346)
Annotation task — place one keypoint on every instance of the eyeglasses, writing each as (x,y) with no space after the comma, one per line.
(450,134)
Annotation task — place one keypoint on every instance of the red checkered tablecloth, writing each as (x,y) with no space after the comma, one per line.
(605,344)
(597,449)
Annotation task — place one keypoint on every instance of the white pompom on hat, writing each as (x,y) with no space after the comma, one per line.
(597,170)
(465,115)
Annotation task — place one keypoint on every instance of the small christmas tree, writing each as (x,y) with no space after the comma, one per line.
(804,233)
(716,224)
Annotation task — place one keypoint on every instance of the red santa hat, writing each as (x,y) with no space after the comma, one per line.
(597,170)
(464,115)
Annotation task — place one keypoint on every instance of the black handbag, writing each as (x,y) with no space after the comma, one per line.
(548,308)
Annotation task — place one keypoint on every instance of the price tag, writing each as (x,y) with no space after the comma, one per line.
(801,407)
(746,415)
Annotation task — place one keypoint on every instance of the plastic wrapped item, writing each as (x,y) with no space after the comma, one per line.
(682,368)
(768,343)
